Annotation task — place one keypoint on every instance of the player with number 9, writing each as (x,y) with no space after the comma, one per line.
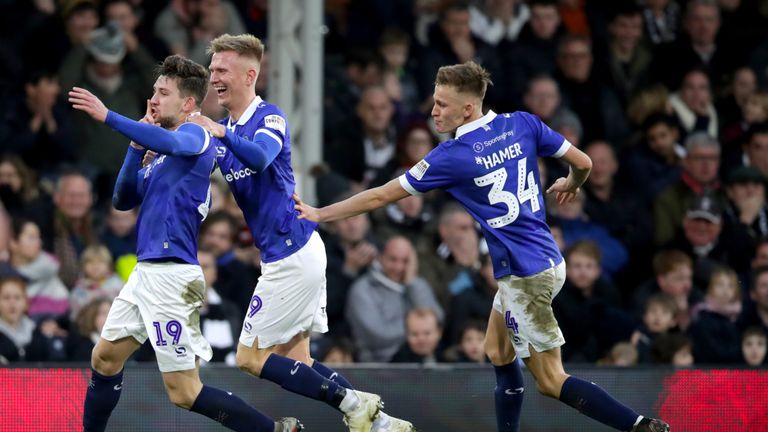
(490,167)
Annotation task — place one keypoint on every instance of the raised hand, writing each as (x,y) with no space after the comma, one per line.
(149,118)
(564,191)
(83,100)
(306,211)
(216,129)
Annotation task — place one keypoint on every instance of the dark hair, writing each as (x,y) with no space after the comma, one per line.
(659,118)
(665,346)
(191,77)
(754,330)
(663,300)
(394,35)
(757,129)
(467,77)
(542,3)
(18,224)
(216,217)
(454,6)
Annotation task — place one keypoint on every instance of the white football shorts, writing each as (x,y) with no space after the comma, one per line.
(162,301)
(289,299)
(526,305)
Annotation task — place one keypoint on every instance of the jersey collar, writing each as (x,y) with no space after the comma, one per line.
(469,127)
(247,114)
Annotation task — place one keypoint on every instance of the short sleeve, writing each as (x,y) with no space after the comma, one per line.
(548,142)
(432,172)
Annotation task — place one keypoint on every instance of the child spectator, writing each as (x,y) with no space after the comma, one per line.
(20,338)
(399,81)
(623,354)
(46,293)
(97,279)
(673,349)
(753,345)
(713,330)
(658,319)
(88,324)
(470,348)
(340,351)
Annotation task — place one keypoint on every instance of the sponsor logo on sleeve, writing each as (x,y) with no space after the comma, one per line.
(418,170)
(275,122)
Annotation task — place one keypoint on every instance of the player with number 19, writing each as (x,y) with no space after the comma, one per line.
(166,289)
(490,167)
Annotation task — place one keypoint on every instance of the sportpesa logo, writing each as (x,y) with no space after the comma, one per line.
(239,174)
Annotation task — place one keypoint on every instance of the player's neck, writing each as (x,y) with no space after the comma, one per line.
(237,111)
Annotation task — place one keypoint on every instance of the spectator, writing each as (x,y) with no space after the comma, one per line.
(586,306)
(70,228)
(756,314)
(235,279)
(746,215)
(472,304)
(451,262)
(655,163)
(423,332)
(494,21)
(576,226)
(731,106)
(753,346)
(379,301)
(117,77)
(119,234)
(361,153)
(658,319)
(628,61)
(700,167)
(97,279)
(470,348)
(45,293)
(673,349)
(535,50)
(188,26)
(735,137)
(399,80)
(220,319)
(411,217)
(341,351)
(704,239)
(673,275)
(39,128)
(344,85)
(662,21)
(623,354)
(598,108)
(692,105)
(20,338)
(350,249)
(713,327)
(86,330)
(697,47)
(756,148)
(128,18)
(451,41)
(18,192)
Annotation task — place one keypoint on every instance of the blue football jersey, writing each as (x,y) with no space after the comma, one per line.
(491,169)
(177,195)
(266,197)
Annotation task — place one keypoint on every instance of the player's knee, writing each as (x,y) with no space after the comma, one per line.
(181,397)
(499,355)
(248,362)
(103,362)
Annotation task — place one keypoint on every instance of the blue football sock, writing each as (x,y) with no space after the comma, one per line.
(331,374)
(231,411)
(509,396)
(100,399)
(301,379)
(592,401)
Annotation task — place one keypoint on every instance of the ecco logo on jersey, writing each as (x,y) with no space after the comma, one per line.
(239,174)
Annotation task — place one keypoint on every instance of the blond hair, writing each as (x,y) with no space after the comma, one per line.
(96,253)
(467,77)
(246,45)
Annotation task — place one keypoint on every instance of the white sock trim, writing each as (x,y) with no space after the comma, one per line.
(639,419)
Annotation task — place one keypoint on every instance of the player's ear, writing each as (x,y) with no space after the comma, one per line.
(189,104)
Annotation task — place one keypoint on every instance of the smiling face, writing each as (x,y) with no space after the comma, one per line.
(233,78)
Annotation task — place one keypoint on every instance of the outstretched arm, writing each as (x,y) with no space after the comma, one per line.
(256,154)
(187,140)
(361,203)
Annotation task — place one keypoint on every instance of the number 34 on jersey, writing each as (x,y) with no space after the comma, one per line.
(527,190)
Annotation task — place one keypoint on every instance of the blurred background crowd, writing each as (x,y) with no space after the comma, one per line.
(667,245)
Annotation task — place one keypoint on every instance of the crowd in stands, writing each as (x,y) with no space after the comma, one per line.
(666,246)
